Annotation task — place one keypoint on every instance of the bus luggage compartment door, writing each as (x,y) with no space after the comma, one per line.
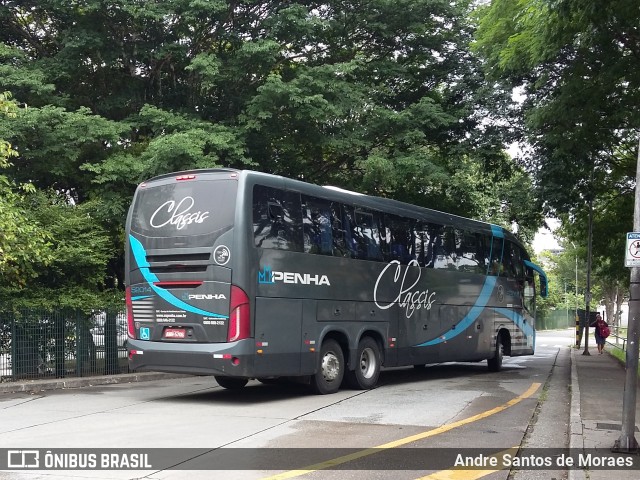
(278,333)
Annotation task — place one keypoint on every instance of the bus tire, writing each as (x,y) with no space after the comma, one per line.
(495,363)
(330,371)
(231,383)
(367,366)
(268,380)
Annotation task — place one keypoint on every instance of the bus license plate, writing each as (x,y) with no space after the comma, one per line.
(175,333)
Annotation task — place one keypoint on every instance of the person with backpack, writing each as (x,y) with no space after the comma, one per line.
(601,332)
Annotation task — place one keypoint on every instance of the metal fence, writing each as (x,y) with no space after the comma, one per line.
(556,319)
(37,344)
(618,337)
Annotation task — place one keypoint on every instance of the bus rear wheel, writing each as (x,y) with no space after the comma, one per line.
(495,364)
(365,375)
(330,370)
(231,383)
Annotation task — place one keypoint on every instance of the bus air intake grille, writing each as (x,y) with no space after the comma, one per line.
(178,268)
(181,257)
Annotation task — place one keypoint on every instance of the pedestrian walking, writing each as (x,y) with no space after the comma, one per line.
(601,332)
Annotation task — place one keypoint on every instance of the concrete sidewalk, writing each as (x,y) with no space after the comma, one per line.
(40,385)
(597,390)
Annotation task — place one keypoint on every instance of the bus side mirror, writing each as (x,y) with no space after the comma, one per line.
(544,286)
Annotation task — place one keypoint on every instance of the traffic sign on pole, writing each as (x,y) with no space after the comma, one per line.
(632,255)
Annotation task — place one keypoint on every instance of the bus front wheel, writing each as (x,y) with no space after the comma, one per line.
(495,363)
(365,375)
(330,370)
(231,383)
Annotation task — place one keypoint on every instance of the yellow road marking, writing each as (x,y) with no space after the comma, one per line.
(403,441)
(462,473)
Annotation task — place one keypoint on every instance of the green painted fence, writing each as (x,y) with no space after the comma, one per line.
(67,343)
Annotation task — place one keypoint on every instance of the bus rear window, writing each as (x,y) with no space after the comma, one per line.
(190,208)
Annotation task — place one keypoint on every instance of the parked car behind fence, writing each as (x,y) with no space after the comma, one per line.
(41,344)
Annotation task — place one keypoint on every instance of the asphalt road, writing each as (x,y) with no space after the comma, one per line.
(407,428)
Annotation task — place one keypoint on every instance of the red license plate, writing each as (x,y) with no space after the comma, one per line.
(175,333)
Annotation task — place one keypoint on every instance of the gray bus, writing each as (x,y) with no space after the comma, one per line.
(245,275)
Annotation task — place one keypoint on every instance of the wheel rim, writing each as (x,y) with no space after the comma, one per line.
(367,363)
(330,367)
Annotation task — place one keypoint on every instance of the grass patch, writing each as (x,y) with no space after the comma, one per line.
(619,355)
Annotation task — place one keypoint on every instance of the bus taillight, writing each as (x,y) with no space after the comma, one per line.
(131,330)
(239,320)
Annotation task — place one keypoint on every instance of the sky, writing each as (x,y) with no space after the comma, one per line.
(544,239)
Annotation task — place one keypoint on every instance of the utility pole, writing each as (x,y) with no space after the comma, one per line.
(587,293)
(575,311)
(627,442)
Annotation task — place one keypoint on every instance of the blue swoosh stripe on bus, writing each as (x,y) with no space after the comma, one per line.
(140,297)
(469,318)
(140,256)
(516,318)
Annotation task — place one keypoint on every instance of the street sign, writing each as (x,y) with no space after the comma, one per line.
(632,255)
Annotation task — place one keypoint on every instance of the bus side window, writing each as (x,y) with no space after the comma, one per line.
(447,257)
(277,219)
(419,242)
(400,237)
(316,224)
(512,262)
(529,291)
(485,241)
(432,242)
(366,235)
(470,254)
(496,256)
(350,235)
(340,248)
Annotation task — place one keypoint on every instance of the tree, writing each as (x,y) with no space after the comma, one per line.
(23,243)
(577,62)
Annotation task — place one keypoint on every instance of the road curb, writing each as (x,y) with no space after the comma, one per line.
(79,382)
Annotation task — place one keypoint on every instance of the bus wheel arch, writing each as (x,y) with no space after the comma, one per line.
(331,366)
(366,363)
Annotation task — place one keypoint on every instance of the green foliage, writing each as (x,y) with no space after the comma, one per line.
(23,244)
(578,65)
(68,270)
(7,109)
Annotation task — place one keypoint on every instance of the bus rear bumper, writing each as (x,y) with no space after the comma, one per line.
(225,359)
